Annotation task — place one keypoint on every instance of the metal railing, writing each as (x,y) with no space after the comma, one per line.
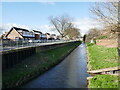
(15,44)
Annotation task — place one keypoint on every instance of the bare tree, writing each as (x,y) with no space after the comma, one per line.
(107,12)
(62,24)
(73,33)
(92,34)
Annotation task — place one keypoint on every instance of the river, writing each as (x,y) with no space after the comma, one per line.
(70,73)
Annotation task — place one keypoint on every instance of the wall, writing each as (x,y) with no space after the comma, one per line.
(107,42)
(12,57)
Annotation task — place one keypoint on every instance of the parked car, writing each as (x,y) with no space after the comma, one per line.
(30,41)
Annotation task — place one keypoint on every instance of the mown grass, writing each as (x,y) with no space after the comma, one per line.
(102,57)
(35,65)
(103,81)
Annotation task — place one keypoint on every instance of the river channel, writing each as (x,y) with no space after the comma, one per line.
(70,73)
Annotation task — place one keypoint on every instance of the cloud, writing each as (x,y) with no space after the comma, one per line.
(85,24)
(47,29)
(43,28)
(6,27)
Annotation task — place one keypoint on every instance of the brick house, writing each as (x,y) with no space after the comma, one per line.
(19,33)
(37,34)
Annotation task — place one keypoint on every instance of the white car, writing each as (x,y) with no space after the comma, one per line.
(30,41)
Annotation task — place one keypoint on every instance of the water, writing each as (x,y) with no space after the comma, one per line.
(70,73)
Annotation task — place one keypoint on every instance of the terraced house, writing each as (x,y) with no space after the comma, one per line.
(20,34)
(16,33)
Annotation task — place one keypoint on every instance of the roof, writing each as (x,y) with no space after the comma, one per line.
(11,30)
(16,28)
(37,31)
(47,33)
(53,35)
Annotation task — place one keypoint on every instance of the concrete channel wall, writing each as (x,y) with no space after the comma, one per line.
(13,57)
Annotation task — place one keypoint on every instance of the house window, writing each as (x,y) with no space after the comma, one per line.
(16,38)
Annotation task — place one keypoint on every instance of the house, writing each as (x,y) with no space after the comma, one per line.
(53,36)
(58,37)
(48,36)
(37,34)
(43,36)
(19,34)
(16,33)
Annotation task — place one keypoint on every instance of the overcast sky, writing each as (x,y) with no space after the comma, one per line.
(34,15)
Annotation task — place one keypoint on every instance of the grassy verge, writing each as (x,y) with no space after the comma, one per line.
(35,65)
(103,81)
(102,57)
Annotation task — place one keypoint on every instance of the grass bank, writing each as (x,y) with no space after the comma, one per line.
(103,81)
(101,57)
(35,65)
